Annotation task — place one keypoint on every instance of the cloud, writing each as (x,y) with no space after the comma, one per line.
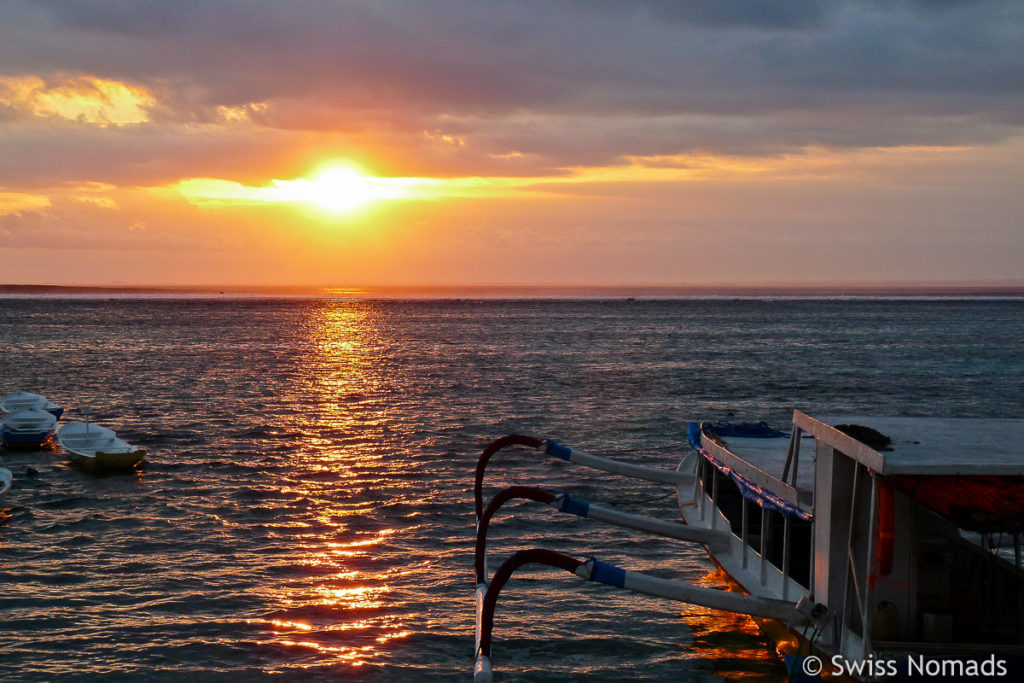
(590,107)
(86,99)
(321,65)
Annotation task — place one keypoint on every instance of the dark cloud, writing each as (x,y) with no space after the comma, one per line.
(560,83)
(148,18)
(793,14)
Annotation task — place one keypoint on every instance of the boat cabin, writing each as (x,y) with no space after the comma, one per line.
(908,530)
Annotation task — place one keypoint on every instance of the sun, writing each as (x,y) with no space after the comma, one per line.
(341,189)
(336,189)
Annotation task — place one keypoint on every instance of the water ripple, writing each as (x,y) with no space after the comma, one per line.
(305,510)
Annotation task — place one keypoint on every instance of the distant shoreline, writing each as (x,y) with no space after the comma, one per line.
(536,291)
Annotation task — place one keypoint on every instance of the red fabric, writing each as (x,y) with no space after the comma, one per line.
(976,503)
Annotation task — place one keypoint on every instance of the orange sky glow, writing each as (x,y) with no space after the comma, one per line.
(323,163)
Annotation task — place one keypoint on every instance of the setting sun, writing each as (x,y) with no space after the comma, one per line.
(340,187)
(336,189)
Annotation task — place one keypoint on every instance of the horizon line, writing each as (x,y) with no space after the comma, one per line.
(895,288)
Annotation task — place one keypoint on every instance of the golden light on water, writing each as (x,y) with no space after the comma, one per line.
(729,644)
(290,624)
(341,608)
(354,656)
(358,597)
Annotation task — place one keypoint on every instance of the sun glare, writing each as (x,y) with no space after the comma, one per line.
(336,189)
(339,187)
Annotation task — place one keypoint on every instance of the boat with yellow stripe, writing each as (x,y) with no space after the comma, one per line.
(97,448)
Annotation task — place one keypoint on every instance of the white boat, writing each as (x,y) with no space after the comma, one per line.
(97,448)
(27,429)
(866,547)
(6,479)
(23,400)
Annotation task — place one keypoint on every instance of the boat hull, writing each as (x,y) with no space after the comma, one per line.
(740,568)
(791,646)
(27,440)
(108,462)
(6,479)
(30,428)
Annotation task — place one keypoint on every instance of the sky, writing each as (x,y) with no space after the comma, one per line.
(347,143)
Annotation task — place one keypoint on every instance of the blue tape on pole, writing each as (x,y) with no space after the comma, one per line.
(694,434)
(575,506)
(608,573)
(558,450)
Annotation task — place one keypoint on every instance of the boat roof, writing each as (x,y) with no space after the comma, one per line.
(928,445)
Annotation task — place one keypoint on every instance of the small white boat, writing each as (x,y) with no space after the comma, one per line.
(6,479)
(27,429)
(97,448)
(23,400)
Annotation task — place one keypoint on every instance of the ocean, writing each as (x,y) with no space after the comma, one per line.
(305,512)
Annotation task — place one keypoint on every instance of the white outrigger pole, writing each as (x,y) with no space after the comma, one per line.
(487,592)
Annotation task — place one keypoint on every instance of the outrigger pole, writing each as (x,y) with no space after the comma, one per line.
(715,539)
(655,474)
(591,568)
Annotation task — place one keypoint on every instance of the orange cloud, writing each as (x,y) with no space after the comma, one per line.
(14,202)
(88,99)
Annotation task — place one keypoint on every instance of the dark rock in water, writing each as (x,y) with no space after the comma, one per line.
(31,471)
(867,436)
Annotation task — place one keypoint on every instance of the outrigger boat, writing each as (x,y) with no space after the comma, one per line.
(97,448)
(884,547)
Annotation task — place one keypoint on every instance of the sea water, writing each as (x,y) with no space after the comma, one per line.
(305,512)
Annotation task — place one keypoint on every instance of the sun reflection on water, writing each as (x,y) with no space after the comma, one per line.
(337,603)
(730,645)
